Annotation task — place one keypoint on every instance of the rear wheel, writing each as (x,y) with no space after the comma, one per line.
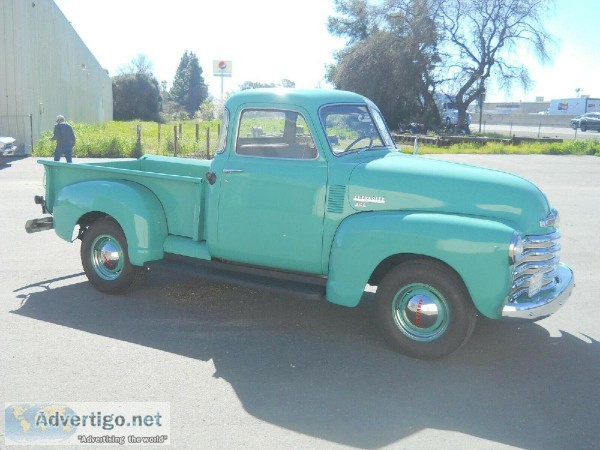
(424,309)
(105,259)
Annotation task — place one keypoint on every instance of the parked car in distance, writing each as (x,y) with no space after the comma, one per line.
(589,121)
(7,146)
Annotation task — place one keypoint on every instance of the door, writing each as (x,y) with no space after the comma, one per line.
(272,199)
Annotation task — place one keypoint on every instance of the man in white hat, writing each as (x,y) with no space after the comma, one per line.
(65,139)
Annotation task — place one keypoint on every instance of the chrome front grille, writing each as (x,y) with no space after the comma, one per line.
(536,270)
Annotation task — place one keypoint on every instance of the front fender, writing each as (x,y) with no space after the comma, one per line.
(476,248)
(137,210)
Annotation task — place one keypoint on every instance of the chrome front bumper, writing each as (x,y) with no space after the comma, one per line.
(546,302)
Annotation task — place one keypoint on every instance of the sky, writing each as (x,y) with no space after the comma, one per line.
(268,40)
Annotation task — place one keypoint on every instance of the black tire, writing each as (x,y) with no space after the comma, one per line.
(105,258)
(583,126)
(424,309)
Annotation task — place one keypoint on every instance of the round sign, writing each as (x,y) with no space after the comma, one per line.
(222,65)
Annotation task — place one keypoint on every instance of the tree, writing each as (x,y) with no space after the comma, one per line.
(189,89)
(389,58)
(140,63)
(456,45)
(481,39)
(288,83)
(136,96)
(285,83)
(136,93)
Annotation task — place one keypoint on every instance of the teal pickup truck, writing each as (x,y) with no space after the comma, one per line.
(308,194)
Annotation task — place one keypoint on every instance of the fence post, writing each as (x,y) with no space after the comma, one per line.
(539,130)
(175,138)
(218,129)
(510,132)
(416,146)
(208,142)
(138,145)
(197,132)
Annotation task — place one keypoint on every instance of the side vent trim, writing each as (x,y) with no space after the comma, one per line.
(335,199)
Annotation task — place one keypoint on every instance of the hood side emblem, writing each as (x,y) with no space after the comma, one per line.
(360,201)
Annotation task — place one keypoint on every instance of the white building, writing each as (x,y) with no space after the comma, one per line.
(46,70)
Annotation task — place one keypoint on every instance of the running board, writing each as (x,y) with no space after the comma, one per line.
(297,285)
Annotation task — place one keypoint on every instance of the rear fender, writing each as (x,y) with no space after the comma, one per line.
(477,249)
(137,210)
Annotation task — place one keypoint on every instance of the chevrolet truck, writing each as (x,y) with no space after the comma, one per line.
(308,194)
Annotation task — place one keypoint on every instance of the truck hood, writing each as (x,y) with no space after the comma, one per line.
(411,183)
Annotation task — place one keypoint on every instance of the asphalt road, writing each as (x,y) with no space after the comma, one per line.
(246,369)
(535,131)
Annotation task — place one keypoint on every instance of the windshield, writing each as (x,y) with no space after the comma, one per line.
(353,128)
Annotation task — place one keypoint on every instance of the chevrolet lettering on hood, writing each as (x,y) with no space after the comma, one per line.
(360,201)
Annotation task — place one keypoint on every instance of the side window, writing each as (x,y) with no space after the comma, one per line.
(273,133)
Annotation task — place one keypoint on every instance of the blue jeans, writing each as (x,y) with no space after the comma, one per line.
(67,151)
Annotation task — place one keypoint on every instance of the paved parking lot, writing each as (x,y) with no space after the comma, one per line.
(244,368)
(542,131)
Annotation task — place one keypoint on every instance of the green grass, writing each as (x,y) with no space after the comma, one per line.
(119,140)
(583,147)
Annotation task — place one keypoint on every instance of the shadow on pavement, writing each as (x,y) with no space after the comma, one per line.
(6,161)
(324,371)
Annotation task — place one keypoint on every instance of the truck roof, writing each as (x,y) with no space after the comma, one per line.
(308,98)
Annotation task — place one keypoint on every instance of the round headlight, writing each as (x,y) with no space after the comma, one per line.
(556,219)
(552,220)
(515,250)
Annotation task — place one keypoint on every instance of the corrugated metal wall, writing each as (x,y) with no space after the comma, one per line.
(46,70)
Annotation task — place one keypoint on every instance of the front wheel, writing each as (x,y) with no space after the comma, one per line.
(105,259)
(583,127)
(424,309)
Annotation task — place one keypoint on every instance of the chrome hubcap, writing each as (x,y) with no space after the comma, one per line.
(107,257)
(420,312)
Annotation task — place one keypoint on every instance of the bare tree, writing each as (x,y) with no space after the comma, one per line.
(425,46)
(139,64)
(480,41)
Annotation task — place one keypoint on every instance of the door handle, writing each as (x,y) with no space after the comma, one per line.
(232,170)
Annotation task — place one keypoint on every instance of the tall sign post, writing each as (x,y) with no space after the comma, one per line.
(221,69)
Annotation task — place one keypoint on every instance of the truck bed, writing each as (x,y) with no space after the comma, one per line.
(177,183)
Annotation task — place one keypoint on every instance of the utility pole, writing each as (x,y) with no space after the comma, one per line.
(481,100)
